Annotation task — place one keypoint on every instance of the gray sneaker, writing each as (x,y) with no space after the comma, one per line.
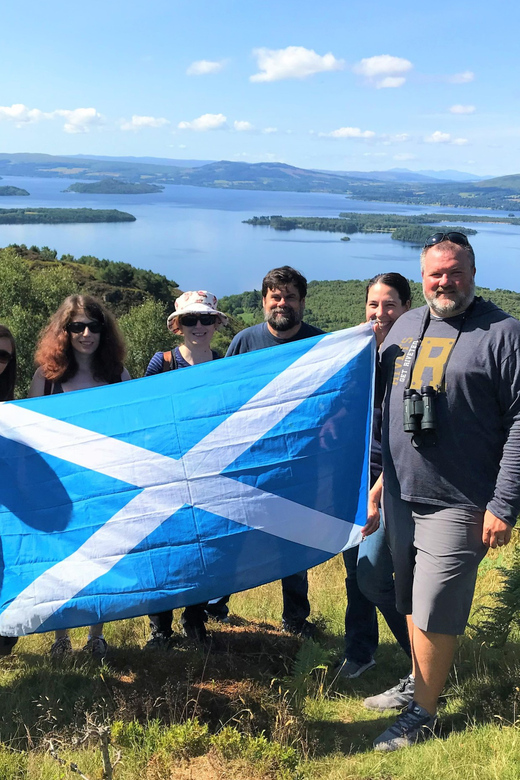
(394,698)
(97,647)
(352,669)
(61,647)
(413,725)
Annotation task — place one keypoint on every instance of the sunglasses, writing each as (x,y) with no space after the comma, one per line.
(191,319)
(454,237)
(95,326)
(5,357)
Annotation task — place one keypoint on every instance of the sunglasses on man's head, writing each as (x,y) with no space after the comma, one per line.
(94,326)
(453,236)
(191,319)
(5,357)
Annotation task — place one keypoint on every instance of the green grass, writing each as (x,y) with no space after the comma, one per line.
(260,705)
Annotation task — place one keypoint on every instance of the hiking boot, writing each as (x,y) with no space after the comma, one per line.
(196,633)
(97,647)
(61,647)
(352,669)
(394,698)
(413,725)
(305,629)
(159,641)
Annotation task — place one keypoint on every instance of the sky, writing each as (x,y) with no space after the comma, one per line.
(358,85)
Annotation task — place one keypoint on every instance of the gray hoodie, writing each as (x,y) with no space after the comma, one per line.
(476,460)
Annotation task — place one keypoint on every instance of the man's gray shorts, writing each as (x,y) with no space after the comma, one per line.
(436,552)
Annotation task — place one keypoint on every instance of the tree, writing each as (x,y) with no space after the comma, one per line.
(145,332)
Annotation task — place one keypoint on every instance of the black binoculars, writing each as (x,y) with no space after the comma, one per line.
(419,414)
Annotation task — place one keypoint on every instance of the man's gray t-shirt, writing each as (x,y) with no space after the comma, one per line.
(476,461)
(260,337)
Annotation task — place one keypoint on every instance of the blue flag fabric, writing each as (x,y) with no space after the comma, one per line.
(167,491)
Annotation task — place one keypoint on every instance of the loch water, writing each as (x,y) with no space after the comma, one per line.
(195,235)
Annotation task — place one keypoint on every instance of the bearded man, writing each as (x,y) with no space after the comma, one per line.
(451,462)
(283,297)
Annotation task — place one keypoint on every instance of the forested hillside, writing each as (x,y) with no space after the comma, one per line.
(34,282)
(332,305)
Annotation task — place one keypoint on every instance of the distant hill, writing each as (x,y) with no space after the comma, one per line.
(451,175)
(393,187)
(224,174)
(147,160)
(264,176)
(114,187)
(503,182)
(394,174)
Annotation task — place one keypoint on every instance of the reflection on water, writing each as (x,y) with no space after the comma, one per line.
(203,226)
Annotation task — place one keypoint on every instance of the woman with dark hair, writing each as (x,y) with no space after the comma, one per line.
(369,566)
(80,348)
(7,382)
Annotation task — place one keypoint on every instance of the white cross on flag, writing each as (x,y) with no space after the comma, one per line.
(167,491)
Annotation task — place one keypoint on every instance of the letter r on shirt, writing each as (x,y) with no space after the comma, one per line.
(430,363)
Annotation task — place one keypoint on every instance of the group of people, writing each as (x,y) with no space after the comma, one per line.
(445,456)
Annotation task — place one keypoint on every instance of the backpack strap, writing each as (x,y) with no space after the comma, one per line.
(169,361)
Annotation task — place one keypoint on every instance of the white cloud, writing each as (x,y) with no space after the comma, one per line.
(205,67)
(268,130)
(445,138)
(458,109)
(138,122)
(462,78)
(21,115)
(397,138)
(204,122)
(390,82)
(243,127)
(403,157)
(349,132)
(438,138)
(383,71)
(294,62)
(79,120)
(182,146)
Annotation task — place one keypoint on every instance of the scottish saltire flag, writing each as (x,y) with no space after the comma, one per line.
(167,491)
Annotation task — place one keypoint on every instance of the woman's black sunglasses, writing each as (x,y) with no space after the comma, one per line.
(94,326)
(454,237)
(5,357)
(191,319)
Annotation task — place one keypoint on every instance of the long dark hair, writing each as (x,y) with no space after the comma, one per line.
(55,355)
(8,376)
(395,280)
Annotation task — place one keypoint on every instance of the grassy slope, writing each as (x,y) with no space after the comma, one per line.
(249,681)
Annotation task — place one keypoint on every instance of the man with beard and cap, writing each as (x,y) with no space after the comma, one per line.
(283,298)
(451,463)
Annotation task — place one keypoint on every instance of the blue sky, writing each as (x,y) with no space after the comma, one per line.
(338,85)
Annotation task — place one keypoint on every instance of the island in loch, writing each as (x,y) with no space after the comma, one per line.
(8,190)
(43,216)
(113,186)
(412,228)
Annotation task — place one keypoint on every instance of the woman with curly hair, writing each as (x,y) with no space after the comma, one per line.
(7,382)
(80,348)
